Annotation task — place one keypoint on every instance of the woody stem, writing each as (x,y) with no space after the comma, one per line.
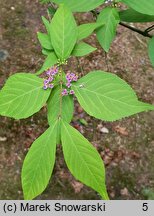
(61,89)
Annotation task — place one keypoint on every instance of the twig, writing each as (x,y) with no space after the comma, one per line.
(149,28)
(61,89)
(143,33)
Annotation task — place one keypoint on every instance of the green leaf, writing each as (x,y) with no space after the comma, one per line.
(53,106)
(44,40)
(142,6)
(47,24)
(83,121)
(46,52)
(131,15)
(83,160)
(39,163)
(151,50)
(22,96)
(105,34)
(80,6)
(82,49)
(107,97)
(49,62)
(86,30)
(63,32)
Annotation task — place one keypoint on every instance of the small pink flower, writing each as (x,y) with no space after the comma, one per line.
(51,86)
(45,87)
(75,78)
(50,73)
(72,92)
(50,79)
(46,82)
(68,85)
(64,92)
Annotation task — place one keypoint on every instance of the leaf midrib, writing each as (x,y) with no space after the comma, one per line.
(42,153)
(92,174)
(101,95)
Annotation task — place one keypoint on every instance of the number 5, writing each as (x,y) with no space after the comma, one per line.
(145,207)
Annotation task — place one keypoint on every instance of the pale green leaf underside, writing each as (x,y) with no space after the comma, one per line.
(80,6)
(82,49)
(86,30)
(131,15)
(63,32)
(105,34)
(49,62)
(105,96)
(151,50)
(38,164)
(22,96)
(53,106)
(142,6)
(44,40)
(82,159)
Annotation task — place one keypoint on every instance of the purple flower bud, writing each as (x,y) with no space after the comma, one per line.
(54,70)
(68,80)
(75,78)
(71,77)
(50,79)
(68,76)
(68,85)
(51,86)
(72,92)
(46,82)
(48,72)
(45,87)
(64,92)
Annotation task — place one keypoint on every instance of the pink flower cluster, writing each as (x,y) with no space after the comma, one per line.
(66,92)
(70,77)
(51,72)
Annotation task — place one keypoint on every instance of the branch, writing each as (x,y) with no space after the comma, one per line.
(143,33)
(149,28)
(61,89)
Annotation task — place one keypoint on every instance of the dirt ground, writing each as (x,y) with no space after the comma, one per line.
(126,146)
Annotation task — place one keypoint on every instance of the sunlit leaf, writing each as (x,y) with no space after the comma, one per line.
(45,41)
(22,96)
(82,49)
(105,34)
(49,62)
(142,6)
(39,162)
(83,160)
(86,30)
(63,32)
(107,97)
(80,6)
